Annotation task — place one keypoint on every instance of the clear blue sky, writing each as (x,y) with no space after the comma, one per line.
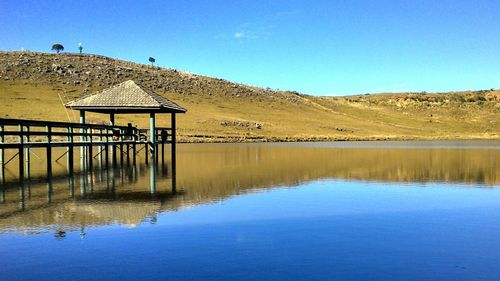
(315,47)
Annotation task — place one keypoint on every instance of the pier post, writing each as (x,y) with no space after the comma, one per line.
(152,136)
(21,154)
(173,148)
(2,157)
(91,153)
(82,139)
(99,149)
(127,147)
(106,149)
(121,149)
(163,155)
(113,147)
(152,177)
(27,154)
(157,154)
(70,157)
(134,151)
(49,151)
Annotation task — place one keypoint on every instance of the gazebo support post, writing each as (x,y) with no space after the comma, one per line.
(82,138)
(152,136)
(157,154)
(152,177)
(173,148)
(113,145)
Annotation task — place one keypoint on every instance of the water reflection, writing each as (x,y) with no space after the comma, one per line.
(130,195)
(62,204)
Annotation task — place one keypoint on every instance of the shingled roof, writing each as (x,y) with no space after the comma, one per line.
(126,97)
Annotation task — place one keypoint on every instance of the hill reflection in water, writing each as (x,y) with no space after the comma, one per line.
(211,172)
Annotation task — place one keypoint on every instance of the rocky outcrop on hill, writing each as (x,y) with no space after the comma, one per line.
(94,72)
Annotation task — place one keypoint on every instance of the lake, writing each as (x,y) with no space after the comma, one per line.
(426,210)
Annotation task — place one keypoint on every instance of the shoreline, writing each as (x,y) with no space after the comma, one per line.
(235,139)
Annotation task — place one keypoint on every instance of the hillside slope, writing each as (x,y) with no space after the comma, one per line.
(35,86)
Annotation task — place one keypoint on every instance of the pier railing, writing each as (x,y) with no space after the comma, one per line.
(21,135)
(36,133)
(15,132)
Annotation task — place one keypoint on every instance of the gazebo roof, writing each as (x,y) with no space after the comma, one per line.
(126,97)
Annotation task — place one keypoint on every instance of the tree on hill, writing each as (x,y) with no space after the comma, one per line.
(152,60)
(57,48)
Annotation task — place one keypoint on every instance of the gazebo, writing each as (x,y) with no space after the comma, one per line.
(129,98)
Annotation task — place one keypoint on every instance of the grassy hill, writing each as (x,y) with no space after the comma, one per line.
(35,86)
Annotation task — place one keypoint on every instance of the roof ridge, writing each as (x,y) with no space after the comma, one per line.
(97,92)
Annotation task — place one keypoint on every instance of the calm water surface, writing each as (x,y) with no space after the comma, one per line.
(315,211)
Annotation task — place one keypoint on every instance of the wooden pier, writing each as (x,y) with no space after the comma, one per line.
(104,145)
(101,146)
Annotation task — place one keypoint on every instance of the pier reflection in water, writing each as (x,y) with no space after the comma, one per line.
(101,197)
(208,173)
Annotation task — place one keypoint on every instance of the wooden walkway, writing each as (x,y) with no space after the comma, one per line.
(102,144)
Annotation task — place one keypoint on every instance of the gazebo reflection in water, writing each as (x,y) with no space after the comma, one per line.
(109,196)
